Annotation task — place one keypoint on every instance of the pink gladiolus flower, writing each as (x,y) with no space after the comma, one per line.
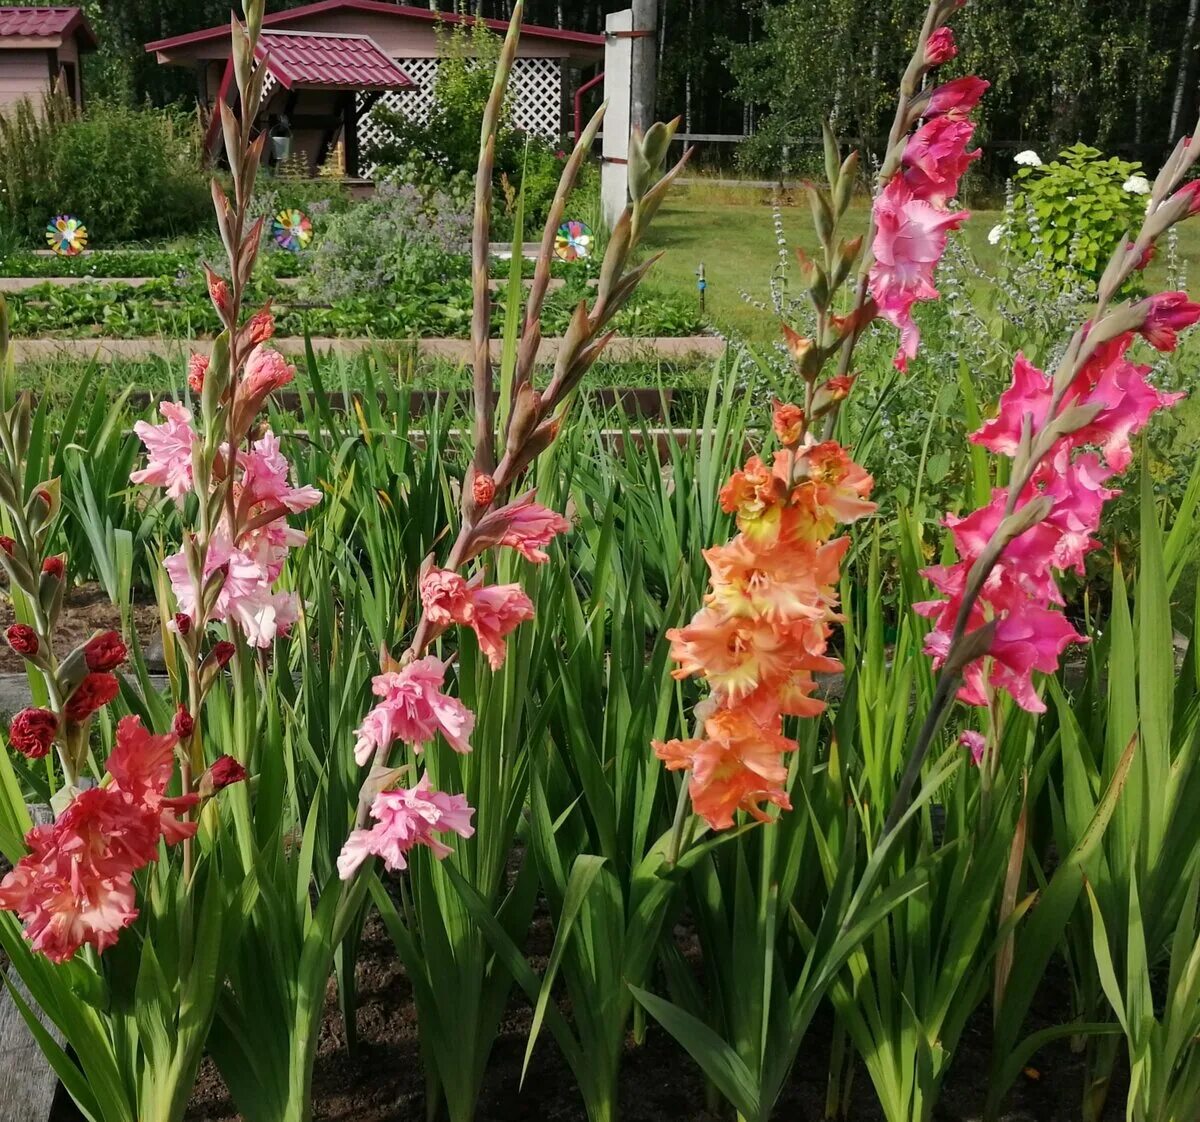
(170,451)
(265,478)
(936,158)
(523,525)
(1168,313)
(445,596)
(404,819)
(197,367)
(958,96)
(940,47)
(413,710)
(495,611)
(975,742)
(909,241)
(1028,396)
(1191,193)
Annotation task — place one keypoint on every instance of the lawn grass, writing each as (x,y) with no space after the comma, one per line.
(732,231)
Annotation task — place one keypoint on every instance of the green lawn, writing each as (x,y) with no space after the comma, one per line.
(732,232)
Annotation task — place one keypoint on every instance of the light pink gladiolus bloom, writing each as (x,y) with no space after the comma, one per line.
(413,710)
(495,611)
(910,239)
(523,525)
(169,448)
(265,478)
(976,743)
(403,819)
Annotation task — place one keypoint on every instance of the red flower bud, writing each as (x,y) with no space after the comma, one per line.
(32,732)
(23,639)
(7,544)
(197,368)
(183,623)
(222,652)
(55,566)
(483,489)
(259,328)
(183,725)
(225,771)
(105,651)
(94,692)
(218,291)
(940,47)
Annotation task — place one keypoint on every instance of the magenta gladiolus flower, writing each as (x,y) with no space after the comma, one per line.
(940,47)
(958,96)
(404,819)
(910,239)
(1168,313)
(170,451)
(936,158)
(413,710)
(975,742)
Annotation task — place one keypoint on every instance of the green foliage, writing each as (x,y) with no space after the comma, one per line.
(1078,209)
(126,173)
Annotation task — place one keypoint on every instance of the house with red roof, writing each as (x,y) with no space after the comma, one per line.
(331,62)
(38,47)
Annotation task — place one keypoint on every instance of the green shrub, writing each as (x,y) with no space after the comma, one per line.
(129,174)
(1077,208)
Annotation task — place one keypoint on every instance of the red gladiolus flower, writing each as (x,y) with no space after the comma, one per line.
(23,639)
(94,692)
(105,651)
(32,732)
(225,772)
(55,566)
(183,725)
(222,652)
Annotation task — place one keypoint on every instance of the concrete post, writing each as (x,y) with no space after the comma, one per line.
(618,87)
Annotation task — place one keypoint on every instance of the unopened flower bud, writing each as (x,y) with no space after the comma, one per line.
(105,651)
(222,652)
(32,732)
(197,368)
(7,544)
(183,623)
(226,771)
(23,639)
(183,725)
(788,423)
(55,566)
(483,489)
(218,291)
(259,328)
(940,47)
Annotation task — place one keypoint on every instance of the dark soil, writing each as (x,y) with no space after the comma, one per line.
(86,610)
(383,1081)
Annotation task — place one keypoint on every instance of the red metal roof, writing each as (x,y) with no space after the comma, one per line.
(403,11)
(45,23)
(308,58)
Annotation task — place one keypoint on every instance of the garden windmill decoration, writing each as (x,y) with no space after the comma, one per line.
(66,235)
(574,241)
(292,230)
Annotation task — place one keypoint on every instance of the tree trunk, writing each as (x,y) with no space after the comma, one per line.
(1185,52)
(641,110)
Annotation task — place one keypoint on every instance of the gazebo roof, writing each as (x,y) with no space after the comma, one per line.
(50,24)
(379,7)
(317,60)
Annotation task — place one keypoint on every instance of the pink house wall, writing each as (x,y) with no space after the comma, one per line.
(23,74)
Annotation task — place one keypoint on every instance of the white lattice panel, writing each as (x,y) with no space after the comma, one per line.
(536,98)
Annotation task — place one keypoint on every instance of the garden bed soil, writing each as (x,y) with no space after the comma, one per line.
(87,609)
(383,1081)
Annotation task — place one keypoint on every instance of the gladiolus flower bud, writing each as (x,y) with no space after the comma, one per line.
(218,291)
(940,47)
(55,566)
(7,544)
(183,623)
(32,732)
(483,489)
(197,368)
(226,771)
(94,692)
(222,652)
(105,651)
(788,422)
(1190,192)
(183,725)
(259,328)
(23,639)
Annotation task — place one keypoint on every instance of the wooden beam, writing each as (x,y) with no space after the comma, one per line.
(350,134)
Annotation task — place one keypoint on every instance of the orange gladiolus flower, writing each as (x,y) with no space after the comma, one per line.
(780,581)
(737,765)
(754,495)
